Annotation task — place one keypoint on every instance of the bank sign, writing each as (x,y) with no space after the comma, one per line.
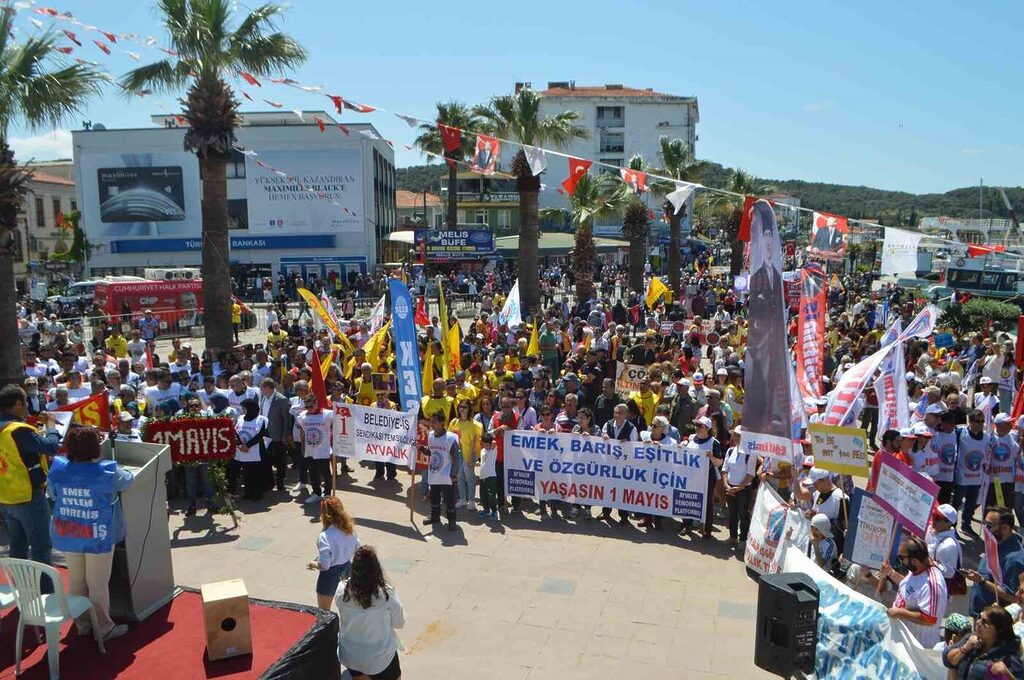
(456,244)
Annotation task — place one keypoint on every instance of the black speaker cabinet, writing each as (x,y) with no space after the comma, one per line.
(787,624)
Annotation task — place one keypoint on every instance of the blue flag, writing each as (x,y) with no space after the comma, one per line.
(407,355)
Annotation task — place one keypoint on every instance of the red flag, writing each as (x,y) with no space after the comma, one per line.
(423,252)
(72,37)
(65,50)
(355,106)
(577,168)
(149,357)
(337,101)
(249,78)
(977,251)
(94,411)
(635,179)
(318,387)
(421,318)
(343,129)
(110,36)
(102,46)
(181,120)
(274,104)
(320,124)
(451,137)
(247,96)
(748,214)
(46,11)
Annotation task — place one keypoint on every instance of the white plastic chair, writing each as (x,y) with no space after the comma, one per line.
(49,611)
(6,596)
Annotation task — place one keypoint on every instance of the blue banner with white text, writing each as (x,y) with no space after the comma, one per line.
(407,355)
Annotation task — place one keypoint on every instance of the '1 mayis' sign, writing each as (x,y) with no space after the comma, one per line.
(194,440)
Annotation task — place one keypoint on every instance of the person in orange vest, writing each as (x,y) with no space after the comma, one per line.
(23,468)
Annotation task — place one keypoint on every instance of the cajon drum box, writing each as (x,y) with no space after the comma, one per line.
(226,619)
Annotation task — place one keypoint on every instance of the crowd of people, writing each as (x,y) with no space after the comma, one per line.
(689,395)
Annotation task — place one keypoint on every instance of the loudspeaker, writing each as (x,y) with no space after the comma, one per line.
(226,619)
(787,624)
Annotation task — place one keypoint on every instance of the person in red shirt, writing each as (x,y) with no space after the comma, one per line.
(505,419)
(891,446)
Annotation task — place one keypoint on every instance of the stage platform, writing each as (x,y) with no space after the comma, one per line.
(289,641)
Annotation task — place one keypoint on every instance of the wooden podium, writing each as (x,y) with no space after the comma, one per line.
(226,619)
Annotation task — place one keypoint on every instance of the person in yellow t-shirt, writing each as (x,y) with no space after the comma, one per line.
(646,400)
(437,401)
(466,391)
(116,344)
(469,432)
(494,377)
(236,318)
(363,385)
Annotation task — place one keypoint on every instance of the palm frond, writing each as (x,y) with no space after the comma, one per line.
(268,54)
(255,23)
(51,97)
(160,76)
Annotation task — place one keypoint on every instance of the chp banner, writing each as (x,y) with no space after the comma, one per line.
(767,419)
(628,377)
(374,434)
(908,495)
(194,440)
(899,251)
(839,449)
(769,521)
(810,334)
(855,637)
(632,476)
(407,355)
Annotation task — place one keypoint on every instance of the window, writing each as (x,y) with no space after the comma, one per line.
(617,162)
(611,116)
(74,204)
(460,216)
(56,208)
(438,219)
(238,212)
(236,165)
(504,219)
(40,212)
(481,217)
(612,142)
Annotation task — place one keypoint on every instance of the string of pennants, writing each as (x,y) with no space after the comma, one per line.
(290,178)
(639,181)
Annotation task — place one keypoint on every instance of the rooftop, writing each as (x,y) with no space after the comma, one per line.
(46,178)
(412,199)
(571,89)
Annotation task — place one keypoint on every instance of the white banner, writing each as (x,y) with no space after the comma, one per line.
(639,477)
(374,434)
(305,201)
(377,316)
(628,377)
(768,524)
(856,639)
(899,251)
(512,313)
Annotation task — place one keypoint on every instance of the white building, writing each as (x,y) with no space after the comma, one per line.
(621,122)
(309,201)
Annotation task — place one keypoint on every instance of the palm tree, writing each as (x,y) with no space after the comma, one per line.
(41,91)
(595,196)
(744,184)
(517,117)
(636,229)
(209,47)
(456,115)
(678,163)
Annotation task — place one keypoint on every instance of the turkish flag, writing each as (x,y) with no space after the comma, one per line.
(748,215)
(110,36)
(317,385)
(65,50)
(451,137)
(577,168)
(421,318)
(337,101)
(635,179)
(355,106)
(250,78)
(343,129)
(320,124)
(72,37)
(102,46)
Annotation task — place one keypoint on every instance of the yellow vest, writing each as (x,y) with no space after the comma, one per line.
(15,483)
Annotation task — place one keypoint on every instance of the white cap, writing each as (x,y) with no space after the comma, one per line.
(817,474)
(907,432)
(1002,419)
(703,420)
(698,378)
(921,430)
(947,511)
(985,380)
(936,409)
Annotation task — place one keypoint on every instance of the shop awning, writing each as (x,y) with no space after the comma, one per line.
(555,243)
(403,236)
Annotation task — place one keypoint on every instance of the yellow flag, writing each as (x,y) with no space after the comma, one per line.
(533,348)
(442,311)
(325,364)
(428,370)
(375,345)
(453,350)
(314,303)
(655,291)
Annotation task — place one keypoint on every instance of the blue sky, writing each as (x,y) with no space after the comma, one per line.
(914,96)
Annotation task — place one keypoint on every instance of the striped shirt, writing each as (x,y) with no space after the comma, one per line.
(925,593)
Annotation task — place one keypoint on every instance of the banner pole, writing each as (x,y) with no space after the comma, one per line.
(412,495)
(334,475)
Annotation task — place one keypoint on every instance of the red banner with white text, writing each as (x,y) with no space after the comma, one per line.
(810,334)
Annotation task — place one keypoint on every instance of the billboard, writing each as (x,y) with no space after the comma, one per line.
(456,244)
(304,200)
(141,194)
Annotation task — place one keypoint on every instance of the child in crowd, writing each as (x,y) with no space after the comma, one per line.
(488,477)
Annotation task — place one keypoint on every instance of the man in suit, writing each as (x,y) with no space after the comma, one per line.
(828,238)
(276,408)
(34,402)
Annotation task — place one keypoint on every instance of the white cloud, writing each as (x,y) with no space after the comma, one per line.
(815,107)
(45,147)
(972,151)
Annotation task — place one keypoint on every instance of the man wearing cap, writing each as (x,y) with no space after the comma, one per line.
(974,451)
(943,545)
(703,444)
(828,499)
(149,326)
(1003,462)
(738,470)
(697,392)
(125,430)
(987,402)
(926,461)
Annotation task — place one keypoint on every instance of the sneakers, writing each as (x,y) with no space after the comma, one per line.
(431,520)
(116,632)
(471,506)
(312,499)
(483,514)
(460,504)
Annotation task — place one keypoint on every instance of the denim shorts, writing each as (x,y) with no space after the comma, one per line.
(328,580)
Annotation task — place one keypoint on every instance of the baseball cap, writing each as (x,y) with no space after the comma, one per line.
(703,420)
(125,415)
(985,380)
(921,430)
(809,461)
(935,409)
(683,382)
(947,512)
(698,378)
(1002,419)
(906,432)
(721,371)
(817,474)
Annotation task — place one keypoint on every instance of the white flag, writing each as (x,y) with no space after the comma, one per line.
(298,113)
(679,197)
(409,120)
(377,316)
(899,251)
(511,314)
(536,158)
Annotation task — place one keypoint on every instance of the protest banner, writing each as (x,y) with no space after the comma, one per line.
(839,449)
(193,440)
(383,382)
(943,340)
(873,533)
(94,411)
(635,476)
(374,434)
(769,521)
(856,639)
(907,494)
(628,377)
(992,555)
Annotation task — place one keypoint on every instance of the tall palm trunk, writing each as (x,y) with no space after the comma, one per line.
(10,345)
(637,258)
(674,228)
(216,271)
(528,185)
(583,262)
(452,217)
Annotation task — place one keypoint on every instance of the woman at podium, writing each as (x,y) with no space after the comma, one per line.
(87,521)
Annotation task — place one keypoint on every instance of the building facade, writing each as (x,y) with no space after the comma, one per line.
(300,199)
(418,209)
(490,200)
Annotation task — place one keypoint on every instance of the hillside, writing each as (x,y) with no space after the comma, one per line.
(893,207)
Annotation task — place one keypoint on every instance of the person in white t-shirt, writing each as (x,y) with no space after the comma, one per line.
(445,452)
(312,430)
(921,599)
(250,431)
(943,545)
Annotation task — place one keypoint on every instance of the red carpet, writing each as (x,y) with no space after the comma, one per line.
(169,645)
